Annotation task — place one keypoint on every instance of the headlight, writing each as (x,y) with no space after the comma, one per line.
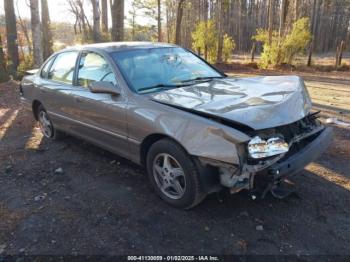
(260,148)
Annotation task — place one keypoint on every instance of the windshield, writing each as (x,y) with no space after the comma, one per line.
(159,68)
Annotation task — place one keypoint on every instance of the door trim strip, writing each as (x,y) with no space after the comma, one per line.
(95,127)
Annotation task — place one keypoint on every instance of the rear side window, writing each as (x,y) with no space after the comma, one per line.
(92,68)
(62,69)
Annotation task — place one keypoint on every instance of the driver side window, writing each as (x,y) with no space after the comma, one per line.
(92,68)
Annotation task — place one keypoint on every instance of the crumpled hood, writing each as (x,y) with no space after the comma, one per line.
(258,102)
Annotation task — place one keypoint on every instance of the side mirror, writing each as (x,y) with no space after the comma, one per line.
(104,88)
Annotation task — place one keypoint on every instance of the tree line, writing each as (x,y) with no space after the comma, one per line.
(279,29)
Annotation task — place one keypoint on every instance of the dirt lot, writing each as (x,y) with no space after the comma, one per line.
(103,204)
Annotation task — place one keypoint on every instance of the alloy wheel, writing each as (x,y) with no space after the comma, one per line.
(45,124)
(169,176)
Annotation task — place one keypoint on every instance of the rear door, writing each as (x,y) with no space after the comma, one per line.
(56,87)
(101,117)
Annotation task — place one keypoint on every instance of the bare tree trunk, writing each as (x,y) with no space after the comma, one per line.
(283,15)
(47,35)
(339,54)
(178,22)
(313,30)
(337,57)
(96,29)
(347,42)
(11,29)
(342,47)
(36,33)
(240,28)
(74,9)
(252,52)
(3,72)
(78,10)
(117,12)
(221,33)
(133,26)
(296,9)
(281,32)
(104,11)
(159,18)
(168,26)
(25,31)
(206,7)
(270,21)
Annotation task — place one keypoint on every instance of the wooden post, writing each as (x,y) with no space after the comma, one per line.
(339,54)
(336,58)
(342,47)
(252,52)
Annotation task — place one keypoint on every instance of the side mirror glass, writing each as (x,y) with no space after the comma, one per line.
(104,87)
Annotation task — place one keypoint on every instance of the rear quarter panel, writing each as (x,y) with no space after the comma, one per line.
(30,92)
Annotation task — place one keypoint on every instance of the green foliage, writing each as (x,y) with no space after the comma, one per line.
(298,39)
(26,64)
(205,37)
(228,46)
(283,49)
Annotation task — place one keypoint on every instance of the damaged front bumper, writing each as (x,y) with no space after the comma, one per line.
(298,161)
(277,168)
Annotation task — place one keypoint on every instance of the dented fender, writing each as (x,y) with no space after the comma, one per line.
(200,136)
(204,138)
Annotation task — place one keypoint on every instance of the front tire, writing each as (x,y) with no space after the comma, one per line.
(174,175)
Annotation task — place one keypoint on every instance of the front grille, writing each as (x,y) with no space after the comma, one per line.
(304,125)
(289,132)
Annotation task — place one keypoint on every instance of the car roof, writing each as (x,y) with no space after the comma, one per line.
(120,46)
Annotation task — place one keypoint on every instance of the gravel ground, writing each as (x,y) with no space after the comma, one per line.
(69,197)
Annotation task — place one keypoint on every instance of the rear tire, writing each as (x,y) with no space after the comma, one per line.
(174,175)
(46,125)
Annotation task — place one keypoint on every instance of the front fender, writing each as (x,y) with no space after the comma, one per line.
(204,138)
(200,136)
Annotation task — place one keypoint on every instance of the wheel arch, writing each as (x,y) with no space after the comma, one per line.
(35,106)
(208,175)
(148,141)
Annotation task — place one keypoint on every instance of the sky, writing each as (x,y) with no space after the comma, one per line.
(59,10)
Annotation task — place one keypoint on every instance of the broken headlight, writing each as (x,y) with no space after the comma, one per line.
(260,148)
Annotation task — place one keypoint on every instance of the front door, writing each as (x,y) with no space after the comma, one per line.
(101,118)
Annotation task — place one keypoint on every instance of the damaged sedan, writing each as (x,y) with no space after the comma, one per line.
(195,130)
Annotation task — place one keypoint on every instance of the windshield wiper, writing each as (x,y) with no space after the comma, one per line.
(201,78)
(160,86)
